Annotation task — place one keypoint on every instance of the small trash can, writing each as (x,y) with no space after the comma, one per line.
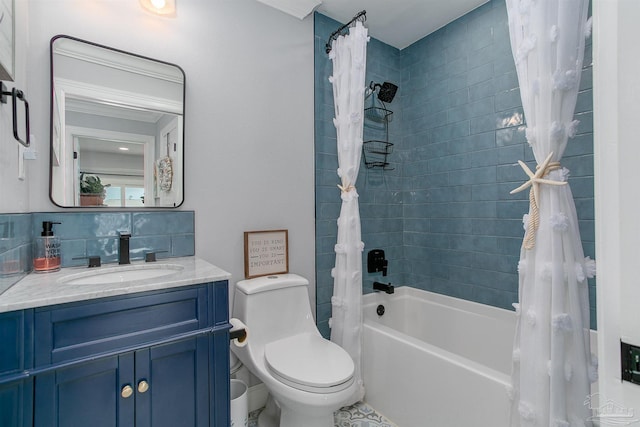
(239,404)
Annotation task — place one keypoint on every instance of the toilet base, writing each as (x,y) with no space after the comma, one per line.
(289,418)
(270,415)
(274,416)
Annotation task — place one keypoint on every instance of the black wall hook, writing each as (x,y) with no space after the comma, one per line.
(15,95)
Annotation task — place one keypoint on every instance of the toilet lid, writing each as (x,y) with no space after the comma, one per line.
(309,362)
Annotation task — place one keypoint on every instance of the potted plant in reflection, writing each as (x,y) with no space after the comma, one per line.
(92,190)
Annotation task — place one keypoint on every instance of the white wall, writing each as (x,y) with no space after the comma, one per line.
(617,152)
(14,195)
(249,112)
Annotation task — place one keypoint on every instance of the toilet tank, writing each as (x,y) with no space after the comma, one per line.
(273,307)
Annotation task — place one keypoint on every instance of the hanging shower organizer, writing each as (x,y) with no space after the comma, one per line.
(377,148)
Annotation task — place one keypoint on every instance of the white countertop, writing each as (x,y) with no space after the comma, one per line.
(42,289)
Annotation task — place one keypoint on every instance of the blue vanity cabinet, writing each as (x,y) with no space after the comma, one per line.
(145,360)
(16,357)
(160,386)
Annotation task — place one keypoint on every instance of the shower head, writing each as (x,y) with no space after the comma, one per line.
(386,90)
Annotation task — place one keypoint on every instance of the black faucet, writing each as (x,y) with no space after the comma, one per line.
(377,286)
(123,248)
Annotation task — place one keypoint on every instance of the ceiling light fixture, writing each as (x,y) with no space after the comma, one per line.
(165,8)
(123,148)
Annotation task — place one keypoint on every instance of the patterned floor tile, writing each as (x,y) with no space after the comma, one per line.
(358,415)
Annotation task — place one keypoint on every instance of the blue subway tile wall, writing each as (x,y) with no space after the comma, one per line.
(444,215)
(85,234)
(474,226)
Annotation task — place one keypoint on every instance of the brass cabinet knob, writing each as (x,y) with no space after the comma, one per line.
(143,386)
(126,391)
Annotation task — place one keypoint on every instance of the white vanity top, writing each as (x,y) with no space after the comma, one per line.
(42,289)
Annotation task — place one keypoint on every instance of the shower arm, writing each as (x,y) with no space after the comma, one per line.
(361,16)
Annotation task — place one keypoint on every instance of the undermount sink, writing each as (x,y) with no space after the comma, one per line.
(121,274)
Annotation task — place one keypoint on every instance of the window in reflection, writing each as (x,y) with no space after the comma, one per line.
(123,191)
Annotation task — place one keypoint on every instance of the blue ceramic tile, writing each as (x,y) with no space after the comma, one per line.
(482,90)
(510,173)
(154,223)
(485,158)
(84,225)
(482,124)
(586,122)
(456,66)
(106,248)
(511,154)
(480,175)
(586,79)
(512,209)
(457,82)
(584,103)
(457,98)
(580,145)
(481,56)
(183,245)
(484,192)
(140,246)
(505,81)
(510,136)
(579,165)
(74,252)
(508,100)
(489,261)
(480,74)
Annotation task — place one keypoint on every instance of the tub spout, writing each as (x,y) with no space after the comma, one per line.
(388,288)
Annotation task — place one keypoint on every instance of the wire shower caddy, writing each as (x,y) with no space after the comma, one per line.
(377,148)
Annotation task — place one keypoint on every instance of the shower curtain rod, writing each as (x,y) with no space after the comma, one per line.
(362,16)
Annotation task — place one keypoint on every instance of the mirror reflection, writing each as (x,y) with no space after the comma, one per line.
(117,135)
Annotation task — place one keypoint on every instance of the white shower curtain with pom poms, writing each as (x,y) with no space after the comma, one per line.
(552,362)
(349,55)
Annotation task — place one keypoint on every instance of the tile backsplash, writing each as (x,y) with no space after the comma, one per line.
(84,234)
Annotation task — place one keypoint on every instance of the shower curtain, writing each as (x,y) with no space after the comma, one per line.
(552,362)
(349,54)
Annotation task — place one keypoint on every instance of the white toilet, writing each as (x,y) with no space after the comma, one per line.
(308,376)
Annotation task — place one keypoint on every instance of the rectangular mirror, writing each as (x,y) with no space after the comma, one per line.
(117,128)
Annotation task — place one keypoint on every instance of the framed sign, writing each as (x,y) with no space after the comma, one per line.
(266,252)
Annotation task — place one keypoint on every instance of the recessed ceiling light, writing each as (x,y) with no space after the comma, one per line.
(160,7)
(123,148)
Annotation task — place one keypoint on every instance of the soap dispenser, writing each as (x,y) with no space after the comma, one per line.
(47,250)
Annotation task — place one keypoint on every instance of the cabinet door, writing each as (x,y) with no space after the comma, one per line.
(87,394)
(15,403)
(16,395)
(178,384)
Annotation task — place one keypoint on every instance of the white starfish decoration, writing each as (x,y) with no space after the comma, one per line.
(535,179)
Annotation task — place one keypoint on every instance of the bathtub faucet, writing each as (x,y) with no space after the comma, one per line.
(376,262)
(377,286)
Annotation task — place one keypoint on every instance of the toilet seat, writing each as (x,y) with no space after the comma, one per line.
(310,363)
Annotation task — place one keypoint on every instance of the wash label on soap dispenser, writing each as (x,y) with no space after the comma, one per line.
(47,250)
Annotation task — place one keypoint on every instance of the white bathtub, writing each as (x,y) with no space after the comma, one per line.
(435,361)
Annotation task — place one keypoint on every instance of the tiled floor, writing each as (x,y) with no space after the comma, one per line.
(358,415)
